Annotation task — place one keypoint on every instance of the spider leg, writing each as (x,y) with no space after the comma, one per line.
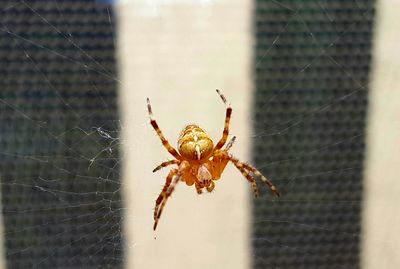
(164,164)
(263,178)
(172,179)
(162,197)
(228,114)
(160,134)
(168,193)
(255,172)
(249,177)
(230,143)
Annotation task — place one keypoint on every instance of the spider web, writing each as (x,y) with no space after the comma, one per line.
(60,169)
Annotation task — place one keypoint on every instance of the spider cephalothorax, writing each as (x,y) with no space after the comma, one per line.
(199,161)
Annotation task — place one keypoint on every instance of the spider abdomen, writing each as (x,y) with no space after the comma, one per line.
(194,143)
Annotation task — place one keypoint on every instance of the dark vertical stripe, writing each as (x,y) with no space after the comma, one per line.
(59,93)
(309,111)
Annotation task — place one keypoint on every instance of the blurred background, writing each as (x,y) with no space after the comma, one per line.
(316,108)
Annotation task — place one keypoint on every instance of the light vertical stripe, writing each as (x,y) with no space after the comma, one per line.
(177,54)
(381,236)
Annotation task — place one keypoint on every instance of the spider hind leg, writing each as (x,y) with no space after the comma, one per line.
(164,141)
(228,114)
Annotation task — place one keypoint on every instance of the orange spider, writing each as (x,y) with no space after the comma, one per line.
(199,162)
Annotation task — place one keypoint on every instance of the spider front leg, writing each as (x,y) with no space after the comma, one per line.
(263,178)
(228,114)
(245,166)
(249,177)
(162,197)
(172,179)
(160,134)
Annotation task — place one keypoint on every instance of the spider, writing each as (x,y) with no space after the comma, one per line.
(199,162)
